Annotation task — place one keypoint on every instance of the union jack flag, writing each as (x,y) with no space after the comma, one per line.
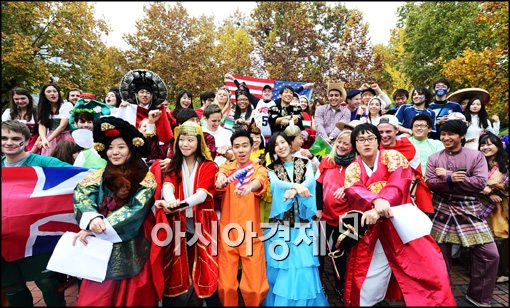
(37,208)
(257,84)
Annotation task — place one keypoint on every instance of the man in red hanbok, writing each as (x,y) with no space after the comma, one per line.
(380,265)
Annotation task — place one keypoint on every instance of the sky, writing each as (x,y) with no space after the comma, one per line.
(381,16)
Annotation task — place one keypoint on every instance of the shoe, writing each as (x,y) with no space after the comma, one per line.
(502,279)
(477,304)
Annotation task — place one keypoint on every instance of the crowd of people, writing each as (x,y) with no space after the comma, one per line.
(246,204)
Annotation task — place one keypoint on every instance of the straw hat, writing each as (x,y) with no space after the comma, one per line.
(459,95)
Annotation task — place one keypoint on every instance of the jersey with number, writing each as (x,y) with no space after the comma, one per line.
(261,116)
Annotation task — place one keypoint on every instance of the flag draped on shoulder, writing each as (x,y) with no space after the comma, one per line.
(257,84)
(37,208)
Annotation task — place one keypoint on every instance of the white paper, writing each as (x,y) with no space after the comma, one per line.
(109,234)
(89,262)
(410,222)
(128,113)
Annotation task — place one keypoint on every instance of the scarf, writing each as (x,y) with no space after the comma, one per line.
(344,160)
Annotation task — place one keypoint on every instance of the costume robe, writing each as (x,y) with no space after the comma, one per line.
(173,275)
(128,276)
(418,267)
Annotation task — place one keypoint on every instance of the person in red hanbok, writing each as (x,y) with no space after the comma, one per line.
(186,270)
(380,265)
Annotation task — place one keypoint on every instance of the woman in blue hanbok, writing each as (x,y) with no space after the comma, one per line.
(292,265)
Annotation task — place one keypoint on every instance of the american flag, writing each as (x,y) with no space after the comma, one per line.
(257,84)
(37,208)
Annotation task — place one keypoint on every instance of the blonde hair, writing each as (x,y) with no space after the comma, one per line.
(215,101)
(332,154)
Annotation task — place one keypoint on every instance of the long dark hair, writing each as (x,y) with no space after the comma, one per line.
(423,91)
(501,155)
(176,162)
(15,112)
(178,106)
(482,114)
(271,145)
(44,107)
(124,180)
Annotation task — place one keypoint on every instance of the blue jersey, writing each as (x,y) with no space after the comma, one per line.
(442,109)
(406,113)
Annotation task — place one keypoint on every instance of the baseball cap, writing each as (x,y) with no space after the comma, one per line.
(390,119)
(353,92)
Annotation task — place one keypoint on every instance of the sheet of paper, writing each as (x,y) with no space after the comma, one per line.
(89,262)
(110,234)
(410,222)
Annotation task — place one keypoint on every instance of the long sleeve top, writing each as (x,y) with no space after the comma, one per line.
(476,173)
(326,118)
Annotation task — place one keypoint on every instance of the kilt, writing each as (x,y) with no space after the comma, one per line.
(459,220)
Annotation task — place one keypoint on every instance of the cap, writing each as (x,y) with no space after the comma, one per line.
(389,119)
(353,92)
(267,87)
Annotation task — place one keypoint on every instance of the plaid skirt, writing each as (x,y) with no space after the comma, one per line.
(459,220)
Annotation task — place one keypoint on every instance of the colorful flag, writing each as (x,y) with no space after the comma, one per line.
(320,147)
(37,208)
(257,84)
(242,176)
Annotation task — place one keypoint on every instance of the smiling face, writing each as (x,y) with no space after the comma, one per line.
(489,149)
(188,145)
(354,102)
(267,94)
(388,134)
(366,97)
(421,130)
(242,149)
(297,143)
(213,121)
(20,100)
(243,102)
(303,103)
(287,96)
(185,101)
(118,152)
(257,140)
(374,107)
(343,145)
(144,97)
(334,98)
(282,148)
(51,94)
(418,98)
(452,142)
(13,143)
(74,96)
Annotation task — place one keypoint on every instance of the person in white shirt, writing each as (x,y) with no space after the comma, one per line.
(478,122)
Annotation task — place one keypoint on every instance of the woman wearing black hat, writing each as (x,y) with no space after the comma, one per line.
(115,201)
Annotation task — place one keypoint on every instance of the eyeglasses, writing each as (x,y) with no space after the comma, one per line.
(369,139)
(420,125)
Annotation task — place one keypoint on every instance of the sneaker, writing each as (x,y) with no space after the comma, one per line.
(477,304)
(502,279)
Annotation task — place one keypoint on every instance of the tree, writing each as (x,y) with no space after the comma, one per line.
(311,41)
(179,48)
(44,41)
(487,68)
(436,32)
